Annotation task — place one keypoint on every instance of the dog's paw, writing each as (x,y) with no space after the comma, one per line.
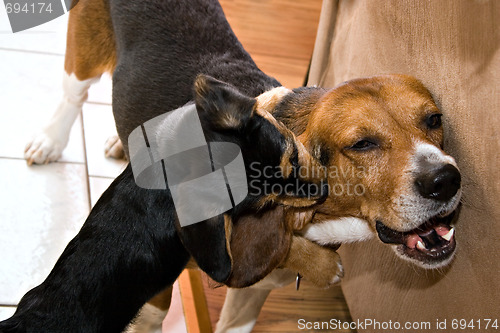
(43,149)
(318,264)
(329,270)
(114,148)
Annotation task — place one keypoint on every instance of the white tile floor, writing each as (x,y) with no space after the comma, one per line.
(43,207)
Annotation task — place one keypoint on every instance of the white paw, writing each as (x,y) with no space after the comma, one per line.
(43,149)
(113,148)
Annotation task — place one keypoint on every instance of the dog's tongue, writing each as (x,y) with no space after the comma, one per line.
(430,237)
(412,240)
(442,230)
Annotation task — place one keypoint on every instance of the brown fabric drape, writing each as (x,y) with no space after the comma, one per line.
(453,46)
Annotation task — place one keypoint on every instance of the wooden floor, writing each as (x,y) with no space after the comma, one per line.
(284,307)
(280,35)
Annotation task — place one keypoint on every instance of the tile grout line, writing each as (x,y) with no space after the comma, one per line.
(99,103)
(85,159)
(102,177)
(56,162)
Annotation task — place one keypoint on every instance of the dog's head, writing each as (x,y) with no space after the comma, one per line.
(381,140)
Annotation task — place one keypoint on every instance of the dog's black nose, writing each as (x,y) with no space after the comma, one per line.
(441,184)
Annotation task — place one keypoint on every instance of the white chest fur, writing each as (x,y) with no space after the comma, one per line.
(342,230)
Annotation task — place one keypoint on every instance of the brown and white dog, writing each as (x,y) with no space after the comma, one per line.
(379,139)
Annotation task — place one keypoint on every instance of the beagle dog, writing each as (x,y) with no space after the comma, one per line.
(377,141)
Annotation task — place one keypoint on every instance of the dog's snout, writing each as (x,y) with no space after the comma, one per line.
(441,184)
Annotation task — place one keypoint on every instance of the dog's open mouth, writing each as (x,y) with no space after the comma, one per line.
(431,245)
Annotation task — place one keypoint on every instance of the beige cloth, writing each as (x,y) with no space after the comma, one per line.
(453,46)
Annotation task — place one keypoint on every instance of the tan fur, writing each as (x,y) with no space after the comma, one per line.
(298,218)
(162,299)
(228,228)
(319,265)
(267,101)
(90,45)
(285,166)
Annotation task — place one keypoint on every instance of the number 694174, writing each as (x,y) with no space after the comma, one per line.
(28,8)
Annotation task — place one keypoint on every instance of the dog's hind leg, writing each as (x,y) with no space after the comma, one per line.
(90,51)
(151,316)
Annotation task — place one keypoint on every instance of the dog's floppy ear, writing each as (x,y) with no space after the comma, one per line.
(239,252)
(220,105)
(207,243)
(259,243)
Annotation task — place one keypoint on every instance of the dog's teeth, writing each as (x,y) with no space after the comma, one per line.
(421,246)
(449,234)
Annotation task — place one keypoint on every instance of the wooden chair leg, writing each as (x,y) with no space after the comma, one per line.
(194,302)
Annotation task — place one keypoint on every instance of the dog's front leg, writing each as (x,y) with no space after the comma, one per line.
(242,306)
(241,309)
(318,264)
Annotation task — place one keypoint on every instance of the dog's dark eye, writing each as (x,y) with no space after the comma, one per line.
(433,121)
(364,144)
